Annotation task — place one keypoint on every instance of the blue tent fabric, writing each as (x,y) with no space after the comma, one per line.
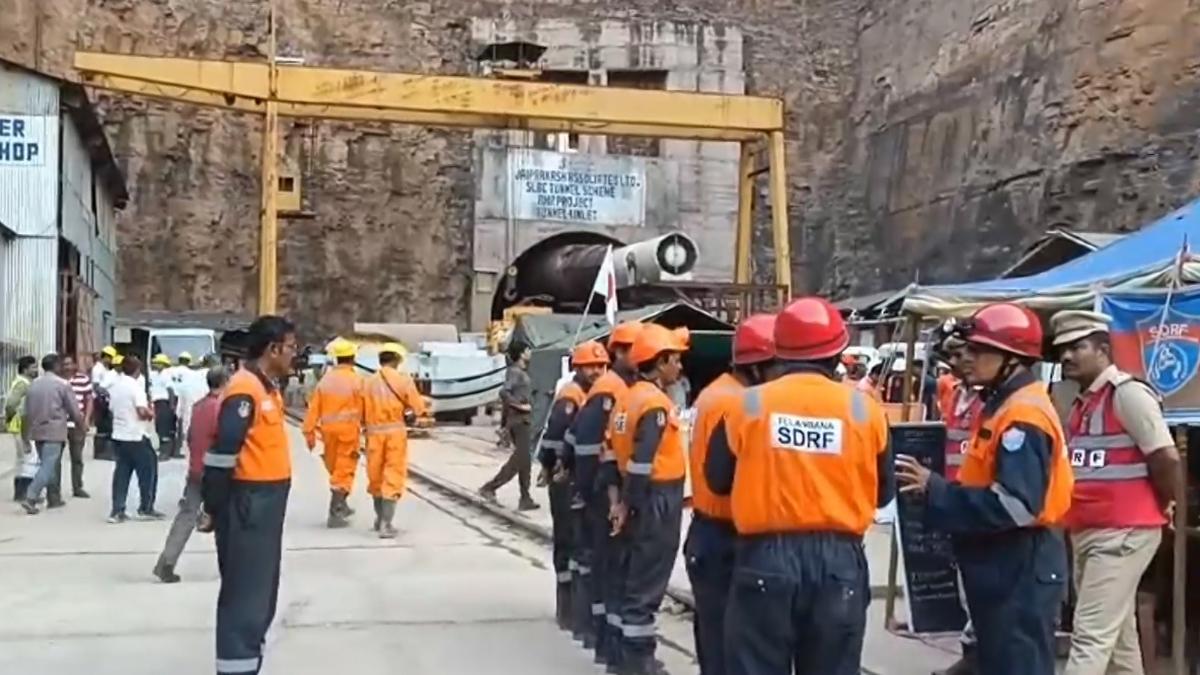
(1142,259)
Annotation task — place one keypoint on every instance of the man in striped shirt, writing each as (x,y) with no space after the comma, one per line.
(81,384)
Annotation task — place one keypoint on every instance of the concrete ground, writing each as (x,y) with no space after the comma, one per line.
(457,592)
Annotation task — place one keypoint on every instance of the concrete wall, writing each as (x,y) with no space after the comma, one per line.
(691,185)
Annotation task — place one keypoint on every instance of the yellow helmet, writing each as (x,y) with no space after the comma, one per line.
(394,348)
(110,351)
(116,360)
(161,360)
(341,348)
(184,356)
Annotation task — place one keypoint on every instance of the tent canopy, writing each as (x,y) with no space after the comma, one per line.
(1143,259)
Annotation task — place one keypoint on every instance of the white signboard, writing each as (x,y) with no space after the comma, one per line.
(577,188)
(22,140)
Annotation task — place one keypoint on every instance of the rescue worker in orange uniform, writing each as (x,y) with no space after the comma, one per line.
(336,410)
(247,476)
(650,451)
(1012,493)
(805,461)
(594,555)
(709,546)
(589,361)
(389,397)
(961,406)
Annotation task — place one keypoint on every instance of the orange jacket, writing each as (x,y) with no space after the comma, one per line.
(336,406)
(388,393)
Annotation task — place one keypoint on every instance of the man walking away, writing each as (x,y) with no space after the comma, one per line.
(81,386)
(14,407)
(336,410)
(247,476)
(390,395)
(202,435)
(49,405)
(161,385)
(131,415)
(104,373)
(1126,472)
(517,397)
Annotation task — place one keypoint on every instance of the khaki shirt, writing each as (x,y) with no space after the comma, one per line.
(1138,411)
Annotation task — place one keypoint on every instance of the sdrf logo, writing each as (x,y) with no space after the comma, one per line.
(1170,349)
(821,435)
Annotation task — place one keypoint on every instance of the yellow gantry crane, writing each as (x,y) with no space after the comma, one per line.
(273,88)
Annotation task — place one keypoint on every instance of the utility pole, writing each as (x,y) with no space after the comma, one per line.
(269,228)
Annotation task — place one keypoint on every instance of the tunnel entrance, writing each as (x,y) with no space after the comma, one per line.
(557,272)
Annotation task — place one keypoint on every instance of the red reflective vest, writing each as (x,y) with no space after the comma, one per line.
(1112,479)
(962,411)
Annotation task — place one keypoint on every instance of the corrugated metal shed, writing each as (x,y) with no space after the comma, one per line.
(28,300)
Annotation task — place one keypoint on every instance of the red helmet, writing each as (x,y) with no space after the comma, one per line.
(754,340)
(810,329)
(1008,327)
(590,353)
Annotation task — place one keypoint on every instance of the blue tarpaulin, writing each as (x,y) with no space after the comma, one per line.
(1143,259)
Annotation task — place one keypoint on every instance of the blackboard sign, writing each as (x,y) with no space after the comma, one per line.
(930,574)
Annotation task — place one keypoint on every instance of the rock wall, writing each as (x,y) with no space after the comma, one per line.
(946,133)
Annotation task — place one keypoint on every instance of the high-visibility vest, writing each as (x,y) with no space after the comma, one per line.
(711,406)
(960,415)
(386,395)
(264,455)
(807,451)
(670,462)
(614,386)
(1028,405)
(1112,479)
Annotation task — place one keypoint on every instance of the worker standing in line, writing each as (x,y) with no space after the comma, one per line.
(1012,492)
(805,461)
(595,554)
(1126,473)
(336,410)
(247,477)
(160,400)
(651,455)
(589,361)
(961,406)
(390,396)
(709,546)
(517,398)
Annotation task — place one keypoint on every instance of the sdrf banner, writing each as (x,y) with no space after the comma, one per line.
(1156,336)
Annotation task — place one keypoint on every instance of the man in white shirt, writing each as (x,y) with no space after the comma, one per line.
(162,388)
(103,374)
(131,427)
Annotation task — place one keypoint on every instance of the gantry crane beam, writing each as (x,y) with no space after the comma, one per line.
(272,89)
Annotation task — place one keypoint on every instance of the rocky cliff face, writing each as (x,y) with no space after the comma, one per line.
(947,133)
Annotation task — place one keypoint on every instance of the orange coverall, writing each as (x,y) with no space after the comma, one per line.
(336,409)
(388,393)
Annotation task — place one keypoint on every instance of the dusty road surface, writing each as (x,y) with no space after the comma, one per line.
(456,593)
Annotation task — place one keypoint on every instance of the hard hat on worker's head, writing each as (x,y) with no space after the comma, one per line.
(754,340)
(810,329)
(185,357)
(393,348)
(342,348)
(161,359)
(110,351)
(624,334)
(116,360)
(683,337)
(1007,327)
(590,353)
(652,341)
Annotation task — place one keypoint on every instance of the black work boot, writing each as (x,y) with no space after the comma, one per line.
(378,513)
(562,606)
(387,511)
(337,518)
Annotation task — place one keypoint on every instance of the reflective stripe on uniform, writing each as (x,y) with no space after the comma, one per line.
(382,428)
(597,609)
(639,468)
(613,620)
(552,445)
(1112,472)
(572,565)
(344,416)
(954,460)
(646,631)
(587,450)
(563,577)
(237,665)
(569,437)
(958,435)
(583,570)
(1014,507)
(608,455)
(220,461)
(1102,442)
